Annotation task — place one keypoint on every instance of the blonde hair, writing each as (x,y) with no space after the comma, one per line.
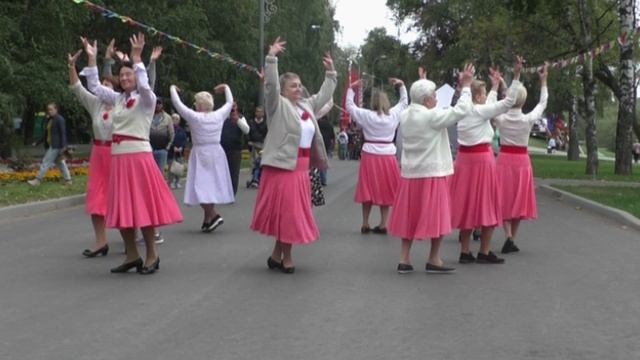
(476,88)
(175,117)
(521,97)
(380,102)
(204,100)
(287,77)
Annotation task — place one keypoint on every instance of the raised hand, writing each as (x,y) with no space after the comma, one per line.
(327,61)
(356,84)
(175,87)
(219,89)
(111,49)
(543,72)
(496,77)
(466,75)
(422,73)
(396,82)
(277,47)
(71,59)
(91,50)
(137,44)
(155,53)
(122,56)
(517,68)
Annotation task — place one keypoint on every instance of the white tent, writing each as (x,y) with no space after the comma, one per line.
(444,95)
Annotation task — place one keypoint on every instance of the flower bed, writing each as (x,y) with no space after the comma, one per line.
(51,175)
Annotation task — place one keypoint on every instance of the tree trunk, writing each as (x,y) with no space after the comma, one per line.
(573,152)
(588,88)
(626,114)
(591,137)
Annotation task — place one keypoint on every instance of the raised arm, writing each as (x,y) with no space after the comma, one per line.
(403,102)
(187,114)
(105,94)
(328,86)
(464,105)
(324,110)
(147,97)
(243,125)
(89,101)
(537,112)
(271,79)
(107,66)
(151,69)
(358,114)
(225,109)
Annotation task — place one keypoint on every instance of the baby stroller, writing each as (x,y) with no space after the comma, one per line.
(256,170)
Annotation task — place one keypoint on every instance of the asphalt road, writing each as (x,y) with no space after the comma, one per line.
(573,292)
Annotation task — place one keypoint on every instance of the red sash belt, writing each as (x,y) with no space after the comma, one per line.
(511,149)
(119,138)
(102,142)
(304,152)
(480,148)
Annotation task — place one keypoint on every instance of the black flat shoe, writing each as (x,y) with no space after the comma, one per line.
(404,268)
(272,264)
(137,263)
(466,258)
(214,224)
(490,258)
(509,247)
(435,269)
(91,254)
(287,270)
(148,270)
(365,230)
(379,230)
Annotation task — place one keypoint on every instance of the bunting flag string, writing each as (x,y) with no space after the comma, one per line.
(581,57)
(109,14)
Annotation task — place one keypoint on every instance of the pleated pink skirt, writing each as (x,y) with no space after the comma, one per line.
(475,200)
(283,205)
(421,209)
(515,181)
(377,179)
(138,195)
(98,180)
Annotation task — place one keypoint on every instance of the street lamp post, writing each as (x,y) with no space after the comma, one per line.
(373,75)
(266,11)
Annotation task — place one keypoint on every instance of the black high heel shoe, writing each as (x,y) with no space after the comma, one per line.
(287,270)
(102,251)
(148,270)
(137,263)
(272,264)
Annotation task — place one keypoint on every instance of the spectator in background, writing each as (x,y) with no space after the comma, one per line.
(343,142)
(176,153)
(161,135)
(55,142)
(231,140)
(329,137)
(257,134)
(636,151)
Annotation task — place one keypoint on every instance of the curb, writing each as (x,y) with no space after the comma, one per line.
(25,210)
(612,213)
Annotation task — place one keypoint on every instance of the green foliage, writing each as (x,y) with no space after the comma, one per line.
(557,167)
(623,198)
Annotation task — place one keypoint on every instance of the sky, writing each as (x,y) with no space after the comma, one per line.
(356,22)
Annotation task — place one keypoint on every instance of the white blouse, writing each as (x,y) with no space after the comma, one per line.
(515,126)
(379,129)
(476,128)
(308,130)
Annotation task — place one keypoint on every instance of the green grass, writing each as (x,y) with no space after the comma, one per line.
(555,167)
(623,198)
(21,192)
(536,142)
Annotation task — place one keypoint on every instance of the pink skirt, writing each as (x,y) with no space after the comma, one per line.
(283,205)
(515,181)
(377,179)
(421,209)
(98,180)
(138,195)
(475,199)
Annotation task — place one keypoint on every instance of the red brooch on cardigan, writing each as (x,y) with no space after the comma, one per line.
(130,103)
(305,116)
(105,116)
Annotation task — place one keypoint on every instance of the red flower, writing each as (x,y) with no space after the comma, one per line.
(130,103)
(305,116)
(105,116)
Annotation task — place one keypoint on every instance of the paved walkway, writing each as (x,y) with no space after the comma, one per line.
(572,293)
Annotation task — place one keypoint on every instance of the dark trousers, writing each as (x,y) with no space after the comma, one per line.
(234,158)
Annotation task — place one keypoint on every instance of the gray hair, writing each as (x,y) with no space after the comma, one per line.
(286,77)
(521,96)
(422,89)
